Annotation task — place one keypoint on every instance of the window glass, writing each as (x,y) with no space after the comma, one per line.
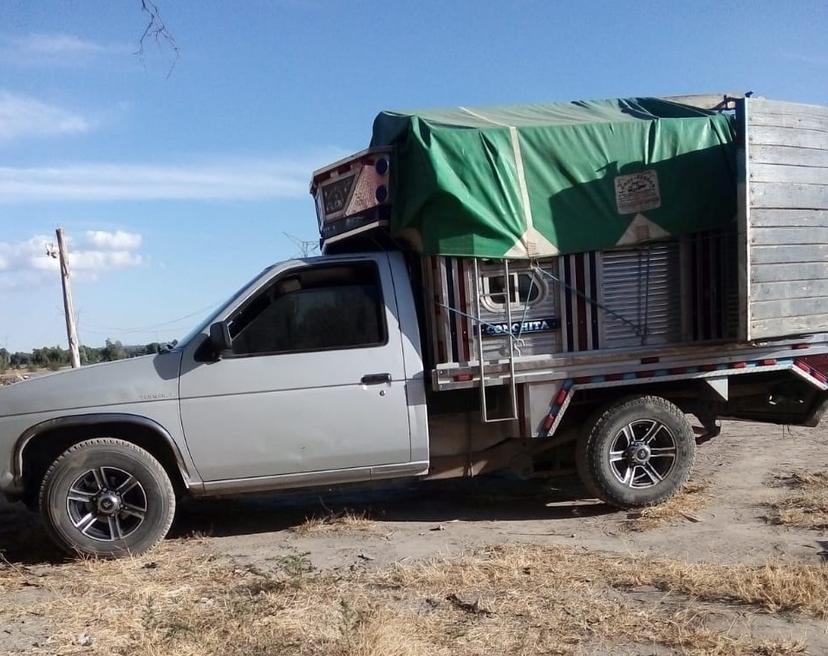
(200,328)
(313,309)
(497,290)
(523,287)
(528,288)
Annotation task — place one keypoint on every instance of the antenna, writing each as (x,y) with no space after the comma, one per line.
(307,247)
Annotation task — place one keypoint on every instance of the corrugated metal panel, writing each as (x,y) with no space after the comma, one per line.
(641,292)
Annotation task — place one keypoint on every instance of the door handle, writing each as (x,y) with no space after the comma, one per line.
(376,379)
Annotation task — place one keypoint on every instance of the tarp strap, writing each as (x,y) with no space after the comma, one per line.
(517,339)
(525,305)
(638,330)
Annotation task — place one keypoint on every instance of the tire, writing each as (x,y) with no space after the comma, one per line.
(107,498)
(637,452)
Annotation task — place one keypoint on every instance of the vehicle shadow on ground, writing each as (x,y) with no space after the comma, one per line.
(24,541)
(429,501)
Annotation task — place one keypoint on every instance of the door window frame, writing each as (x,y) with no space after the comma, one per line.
(262,289)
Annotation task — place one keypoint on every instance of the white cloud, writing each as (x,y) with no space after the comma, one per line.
(56,48)
(27,264)
(118,240)
(229,179)
(811,59)
(23,116)
(57,44)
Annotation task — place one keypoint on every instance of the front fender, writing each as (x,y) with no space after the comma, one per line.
(182,460)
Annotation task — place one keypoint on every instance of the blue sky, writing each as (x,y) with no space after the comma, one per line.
(177,189)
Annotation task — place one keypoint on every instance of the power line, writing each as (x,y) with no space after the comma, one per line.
(151,327)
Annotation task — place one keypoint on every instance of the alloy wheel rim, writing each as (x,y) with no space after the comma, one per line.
(106,504)
(643,453)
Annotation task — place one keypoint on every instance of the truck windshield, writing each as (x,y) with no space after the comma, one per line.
(201,327)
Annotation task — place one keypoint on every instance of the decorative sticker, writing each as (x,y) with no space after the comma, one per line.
(637,192)
(518,327)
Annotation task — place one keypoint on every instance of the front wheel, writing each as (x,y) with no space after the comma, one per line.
(637,452)
(107,497)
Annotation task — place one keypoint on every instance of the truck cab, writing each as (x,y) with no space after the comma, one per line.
(322,358)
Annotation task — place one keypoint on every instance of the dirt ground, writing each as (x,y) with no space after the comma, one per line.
(350,538)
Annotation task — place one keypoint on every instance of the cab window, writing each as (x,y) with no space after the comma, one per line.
(313,309)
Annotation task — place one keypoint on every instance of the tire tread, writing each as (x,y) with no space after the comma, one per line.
(588,466)
(145,455)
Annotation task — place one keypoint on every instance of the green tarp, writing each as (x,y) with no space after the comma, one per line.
(539,180)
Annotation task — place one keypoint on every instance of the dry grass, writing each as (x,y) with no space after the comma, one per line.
(502,600)
(683,506)
(346,521)
(805,505)
(771,587)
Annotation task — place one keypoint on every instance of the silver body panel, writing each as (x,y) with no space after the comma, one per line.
(252,423)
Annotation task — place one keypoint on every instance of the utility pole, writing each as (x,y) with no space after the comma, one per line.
(68,306)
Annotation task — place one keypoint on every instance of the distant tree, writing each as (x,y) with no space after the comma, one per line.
(51,357)
(113,351)
(20,359)
(89,355)
(38,357)
(55,357)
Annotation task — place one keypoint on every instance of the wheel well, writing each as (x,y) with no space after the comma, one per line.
(689,395)
(42,450)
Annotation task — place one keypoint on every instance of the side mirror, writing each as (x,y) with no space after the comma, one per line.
(220,338)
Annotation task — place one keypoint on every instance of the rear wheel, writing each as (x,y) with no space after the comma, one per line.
(107,497)
(637,452)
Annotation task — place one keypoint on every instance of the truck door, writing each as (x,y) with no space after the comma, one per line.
(314,381)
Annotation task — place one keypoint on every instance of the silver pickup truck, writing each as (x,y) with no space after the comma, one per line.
(408,352)
(313,374)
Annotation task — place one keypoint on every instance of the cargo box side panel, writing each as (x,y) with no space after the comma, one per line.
(784,219)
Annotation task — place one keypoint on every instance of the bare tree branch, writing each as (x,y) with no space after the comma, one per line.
(157,31)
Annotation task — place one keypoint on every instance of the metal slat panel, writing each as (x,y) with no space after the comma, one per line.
(643,286)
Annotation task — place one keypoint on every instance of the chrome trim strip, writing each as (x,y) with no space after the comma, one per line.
(310,479)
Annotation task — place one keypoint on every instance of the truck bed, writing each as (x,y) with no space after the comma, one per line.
(765,277)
